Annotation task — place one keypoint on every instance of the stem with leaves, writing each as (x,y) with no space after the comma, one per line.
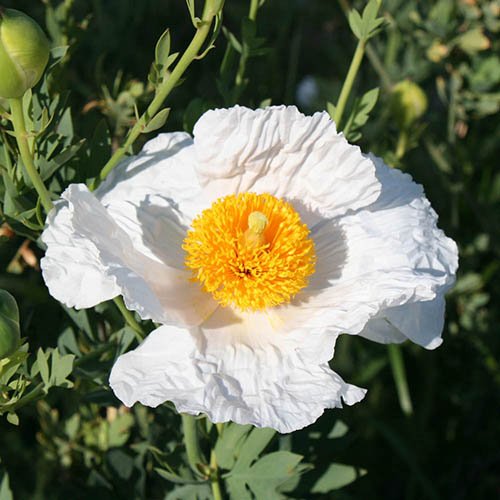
(17,116)
(349,80)
(210,11)
(364,27)
(192,442)
(252,15)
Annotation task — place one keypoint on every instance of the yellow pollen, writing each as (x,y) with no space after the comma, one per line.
(250,251)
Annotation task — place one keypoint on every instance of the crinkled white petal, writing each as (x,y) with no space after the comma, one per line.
(154,196)
(72,267)
(421,322)
(280,151)
(373,261)
(155,290)
(383,331)
(266,386)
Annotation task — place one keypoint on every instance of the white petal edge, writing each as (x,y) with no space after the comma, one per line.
(374,261)
(155,290)
(268,387)
(280,151)
(72,268)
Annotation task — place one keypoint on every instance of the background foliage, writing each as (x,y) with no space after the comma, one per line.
(77,441)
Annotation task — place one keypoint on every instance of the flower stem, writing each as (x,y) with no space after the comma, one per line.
(240,74)
(348,82)
(254,7)
(214,477)
(402,143)
(399,374)
(165,88)
(17,115)
(36,393)
(192,442)
(129,318)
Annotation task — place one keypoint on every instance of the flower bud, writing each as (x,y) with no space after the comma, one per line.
(10,335)
(24,53)
(408,103)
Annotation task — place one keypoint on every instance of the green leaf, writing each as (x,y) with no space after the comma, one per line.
(162,49)
(233,41)
(62,366)
(264,477)
(254,444)
(43,366)
(10,332)
(100,150)
(48,168)
(13,419)
(81,319)
(360,113)
(67,343)
(356,23)
(337,476)
(370,11)
(191,492)
(119,429)
(157,121)
(174,478)
(472,41)
(367,25)
(338,430)
(9,366)
(227,444)
(5,491)
(121,463)
(370,21)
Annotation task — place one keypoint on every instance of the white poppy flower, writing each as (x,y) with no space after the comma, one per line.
(255,244)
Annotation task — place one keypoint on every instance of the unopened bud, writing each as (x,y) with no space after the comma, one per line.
(408,103)
(10,335)
(24,53)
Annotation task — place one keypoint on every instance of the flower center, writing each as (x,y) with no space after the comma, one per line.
(250,251)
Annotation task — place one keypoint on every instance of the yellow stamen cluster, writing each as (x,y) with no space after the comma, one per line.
(250,251)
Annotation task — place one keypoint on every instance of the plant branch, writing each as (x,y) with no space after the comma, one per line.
(165,88)
(129,318)
(17,114)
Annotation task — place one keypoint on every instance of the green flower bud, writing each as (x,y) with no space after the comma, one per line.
(408,103)
(10,335)
(24,53)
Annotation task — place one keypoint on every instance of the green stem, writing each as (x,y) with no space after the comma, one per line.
(254,7)
(165,88)
(349,81)
(399,374)
(214,477)
(192,442)
(373,57)
(16,109)
(36,393)
(129,318)
(402,143)
(240,74)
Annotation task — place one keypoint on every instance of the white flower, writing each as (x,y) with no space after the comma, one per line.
(369,261)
